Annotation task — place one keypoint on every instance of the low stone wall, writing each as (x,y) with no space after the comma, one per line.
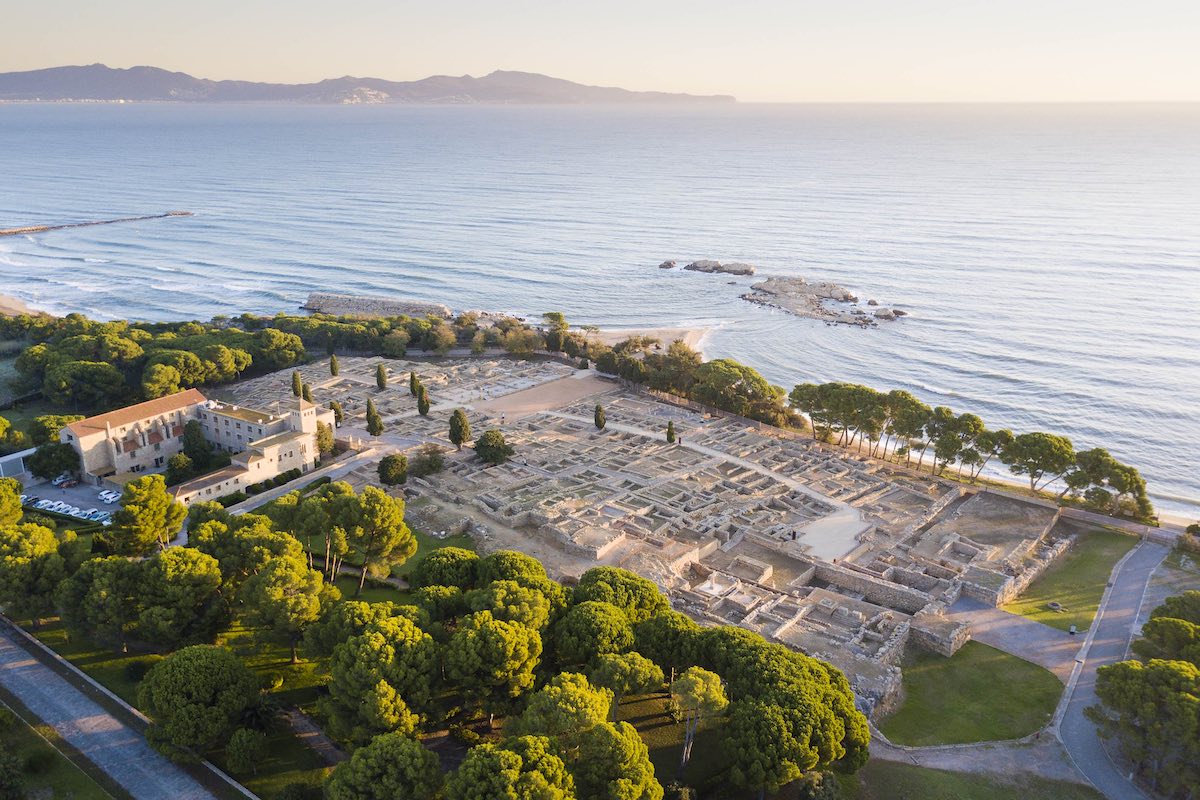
(874,590)
(349,305)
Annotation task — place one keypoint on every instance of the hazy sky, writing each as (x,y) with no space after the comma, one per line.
(768,50)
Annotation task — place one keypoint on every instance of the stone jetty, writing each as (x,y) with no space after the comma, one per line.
(44,228)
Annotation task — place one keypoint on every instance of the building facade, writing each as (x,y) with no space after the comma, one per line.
(118,446)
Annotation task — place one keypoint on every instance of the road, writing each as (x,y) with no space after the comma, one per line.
(114,747)
(1113,629)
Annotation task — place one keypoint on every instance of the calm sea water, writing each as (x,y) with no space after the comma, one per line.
(1049,256)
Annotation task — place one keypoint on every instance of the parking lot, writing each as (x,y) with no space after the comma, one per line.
(82,496)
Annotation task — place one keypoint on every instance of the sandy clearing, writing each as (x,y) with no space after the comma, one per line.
(548,396)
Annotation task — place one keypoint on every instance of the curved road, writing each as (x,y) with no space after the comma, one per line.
(1113,629)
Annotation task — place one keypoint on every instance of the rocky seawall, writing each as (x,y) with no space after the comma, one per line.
(823,300)
(351,305)
(708,265)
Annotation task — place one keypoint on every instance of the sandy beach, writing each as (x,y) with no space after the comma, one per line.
(12,307)
(692,337)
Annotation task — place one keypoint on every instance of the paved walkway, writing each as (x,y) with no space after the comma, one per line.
(114,747)
(1022,637)
(1110,636)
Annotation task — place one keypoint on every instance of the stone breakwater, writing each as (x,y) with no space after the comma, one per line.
(350,305)
(825,301)
(707,265)
(44,228)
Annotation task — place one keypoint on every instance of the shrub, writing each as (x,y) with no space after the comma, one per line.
(427,461)
(232,499)
(45,520)
(38,762)
(298,790)
(136,670)
(465,735)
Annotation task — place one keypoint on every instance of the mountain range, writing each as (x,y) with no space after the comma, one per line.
(98,82)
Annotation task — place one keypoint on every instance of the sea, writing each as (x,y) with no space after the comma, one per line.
(1048,256)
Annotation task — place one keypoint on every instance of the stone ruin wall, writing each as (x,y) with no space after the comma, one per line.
(349,305)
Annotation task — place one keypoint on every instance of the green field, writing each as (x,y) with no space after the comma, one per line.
(889,780)
(47,773)
(980,694)
(1076,581)
(664,738)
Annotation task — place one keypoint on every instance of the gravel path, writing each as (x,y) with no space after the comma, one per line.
(114,747)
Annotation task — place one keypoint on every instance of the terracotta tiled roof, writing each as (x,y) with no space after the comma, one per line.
(135,413)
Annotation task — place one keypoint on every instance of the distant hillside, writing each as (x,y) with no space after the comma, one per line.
(98,82)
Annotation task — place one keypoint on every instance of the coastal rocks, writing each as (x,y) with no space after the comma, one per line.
(349,305)
(668,264)
(823,300)
(732,268)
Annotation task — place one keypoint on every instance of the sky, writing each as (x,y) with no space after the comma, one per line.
(756,50)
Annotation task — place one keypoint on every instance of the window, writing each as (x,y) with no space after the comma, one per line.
(158,462)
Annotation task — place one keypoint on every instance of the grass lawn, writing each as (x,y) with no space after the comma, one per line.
(118,672)
(890,780)
(1076,581)
(664,737)
(426,544)
(47,773)
(22,415)
(373,591)
(979,694)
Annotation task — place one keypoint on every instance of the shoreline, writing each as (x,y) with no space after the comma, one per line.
(14,306)
(693,337)
(697,337)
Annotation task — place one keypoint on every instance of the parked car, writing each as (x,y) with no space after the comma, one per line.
(68,484)
(61,479)
(109,496)
(42,505)
(31,500)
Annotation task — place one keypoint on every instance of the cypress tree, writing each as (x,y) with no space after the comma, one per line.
(671,431)
(306,392)
(413,383)
(374,421)
(599,418)
(422,401)
(297,383)
(333,365)
(381,377)
(460,428)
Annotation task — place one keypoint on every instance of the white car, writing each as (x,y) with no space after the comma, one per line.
(60,480)
(42,505)
(109,496)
